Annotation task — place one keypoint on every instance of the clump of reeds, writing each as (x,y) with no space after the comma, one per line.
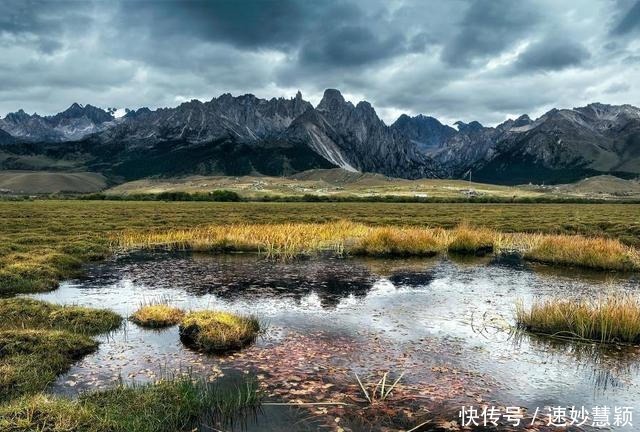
(157,315)
(606,319)
(400,242)
(471,240)
(216,331)
(592,252)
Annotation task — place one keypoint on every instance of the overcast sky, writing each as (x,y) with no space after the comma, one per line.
(455,59)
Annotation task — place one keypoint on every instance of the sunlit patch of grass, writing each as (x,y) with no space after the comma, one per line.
(29,313)
(605,319)
(465,239)
(31,272)
(598,253)
(273,240)
(216,331)
(400,242)
(170,405)
(157,315)
(31,359)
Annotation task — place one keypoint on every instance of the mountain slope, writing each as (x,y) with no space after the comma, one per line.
(354,138)
(560,146)
(426,132)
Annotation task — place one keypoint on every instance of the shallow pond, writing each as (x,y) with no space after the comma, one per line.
(443,322)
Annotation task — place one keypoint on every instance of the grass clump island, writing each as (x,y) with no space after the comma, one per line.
(218,332)
(608,319)
(157,315)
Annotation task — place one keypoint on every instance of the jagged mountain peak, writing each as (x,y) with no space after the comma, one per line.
(19,115)
(522,120)
(332,100)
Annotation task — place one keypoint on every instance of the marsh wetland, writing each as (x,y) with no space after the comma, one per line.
(362,323)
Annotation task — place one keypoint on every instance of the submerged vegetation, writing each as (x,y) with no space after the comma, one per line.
(215,331)
(606,319)
(157,315)
(292,240)
(170,405)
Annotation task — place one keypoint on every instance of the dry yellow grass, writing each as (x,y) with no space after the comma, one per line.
(593,252)
(291,240)
(215,331)
(399,242)
(469,240)
(606,319)
(157,316)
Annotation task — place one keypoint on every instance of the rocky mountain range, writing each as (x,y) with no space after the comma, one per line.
(248,135)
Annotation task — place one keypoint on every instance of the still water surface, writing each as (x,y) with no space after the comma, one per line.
(417,316)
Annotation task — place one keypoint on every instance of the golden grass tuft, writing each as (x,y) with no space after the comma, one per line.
(399,242)
(216,331)
(471,240)
(157,315)
(606,319)
(592,252)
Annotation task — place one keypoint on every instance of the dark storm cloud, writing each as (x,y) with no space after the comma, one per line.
(488,27)
(352,46)
(41,22)
(246,24)
(630,21)
(552,54)
(459,59)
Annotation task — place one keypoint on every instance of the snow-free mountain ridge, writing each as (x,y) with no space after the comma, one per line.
(236,135)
